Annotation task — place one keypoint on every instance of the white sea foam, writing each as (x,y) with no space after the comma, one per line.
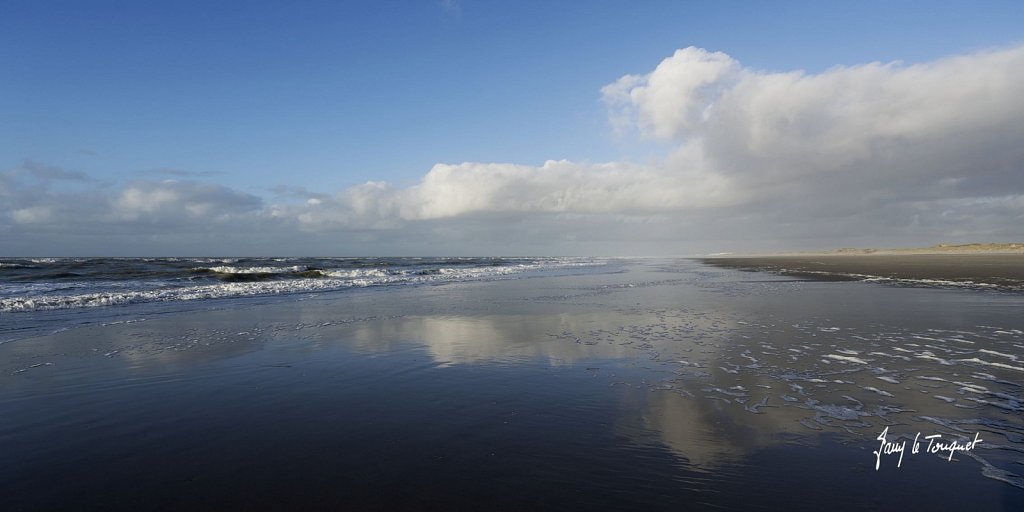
(960,340)
(931,356)
(1013,406)
(343,279)
(1011,357)
(357,273)
(931,282)
(876,390)
(992,364)
(849,359)
(254,270)
(972,388)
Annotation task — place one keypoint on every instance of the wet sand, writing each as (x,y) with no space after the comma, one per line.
(646,385)
(979,268)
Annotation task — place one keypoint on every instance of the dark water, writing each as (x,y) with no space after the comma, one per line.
(637,385)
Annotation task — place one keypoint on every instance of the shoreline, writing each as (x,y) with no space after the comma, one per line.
(630,384)
(1005,270)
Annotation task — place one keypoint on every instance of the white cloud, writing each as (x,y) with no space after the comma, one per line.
(180,200)
(32,215)
(794,123)
(555,187)
(868,154)
(841,143)
(167,203)
(782,145)
(676,96)
(509,190)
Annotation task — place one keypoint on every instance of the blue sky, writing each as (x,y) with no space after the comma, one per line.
(324,96)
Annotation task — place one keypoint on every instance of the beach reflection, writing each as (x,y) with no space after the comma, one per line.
(703,365)
(661,398)
(488,339)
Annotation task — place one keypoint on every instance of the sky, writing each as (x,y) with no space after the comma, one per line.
(472,127)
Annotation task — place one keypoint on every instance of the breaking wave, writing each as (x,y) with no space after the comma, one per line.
(56,283)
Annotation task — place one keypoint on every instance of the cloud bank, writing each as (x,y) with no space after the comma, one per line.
(874,154)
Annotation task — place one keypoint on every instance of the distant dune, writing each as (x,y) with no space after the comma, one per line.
(1007,248)
(974,248)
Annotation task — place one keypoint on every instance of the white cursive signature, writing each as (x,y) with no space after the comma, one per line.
(935,445)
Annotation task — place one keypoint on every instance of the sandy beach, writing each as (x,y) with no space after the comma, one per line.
(1001,270)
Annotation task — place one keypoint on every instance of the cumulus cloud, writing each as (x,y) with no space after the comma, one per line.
(849,142)
(952,119)
(878,153)
(557,187)
(787,146)
(503,191)
(166,203)
(181,200)
(675,97)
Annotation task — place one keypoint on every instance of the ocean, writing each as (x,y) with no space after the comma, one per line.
(502,384)
(31,284)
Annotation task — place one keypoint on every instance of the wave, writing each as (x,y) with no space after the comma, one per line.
(243,274)
(249,281)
